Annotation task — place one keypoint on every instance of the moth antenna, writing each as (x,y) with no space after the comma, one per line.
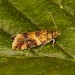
(53,20)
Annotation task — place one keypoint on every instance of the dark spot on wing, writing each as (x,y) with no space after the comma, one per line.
(37,33)
(31,43)
(25,35)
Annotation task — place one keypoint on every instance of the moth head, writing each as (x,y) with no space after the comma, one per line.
(55,34)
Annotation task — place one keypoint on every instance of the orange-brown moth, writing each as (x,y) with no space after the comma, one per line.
(31,39)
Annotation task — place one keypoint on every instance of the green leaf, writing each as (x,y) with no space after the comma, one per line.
(36,66)
(17,16)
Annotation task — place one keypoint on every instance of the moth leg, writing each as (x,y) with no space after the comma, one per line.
(28,49)
(53,42)
(13,37)
(42,46)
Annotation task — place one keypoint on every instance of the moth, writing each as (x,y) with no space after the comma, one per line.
(29,40)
